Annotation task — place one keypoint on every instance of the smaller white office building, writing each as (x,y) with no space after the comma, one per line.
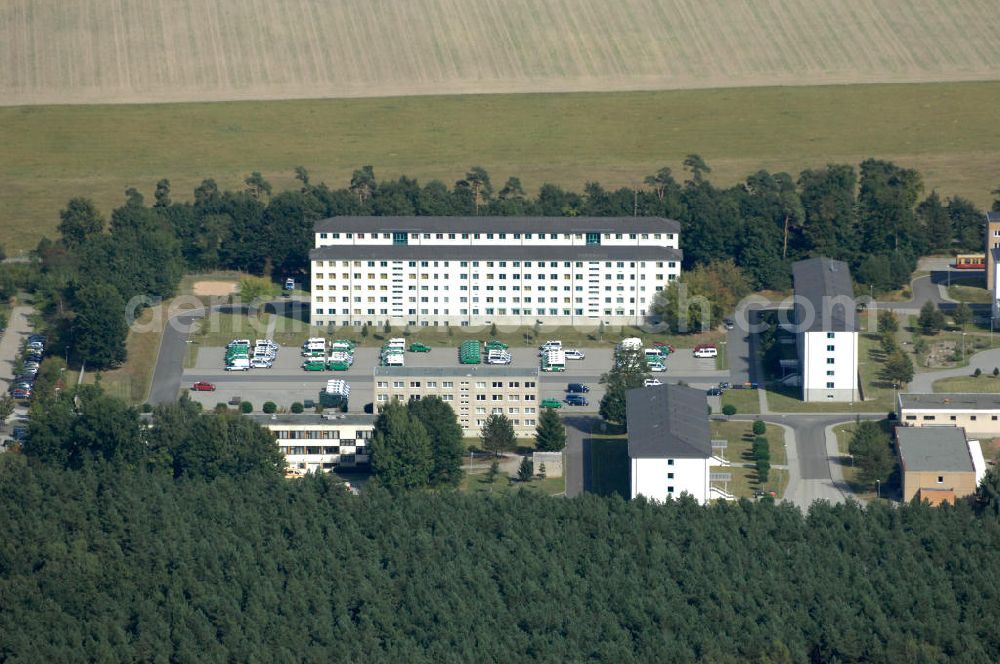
(314,443)
(826,332)
(669,445)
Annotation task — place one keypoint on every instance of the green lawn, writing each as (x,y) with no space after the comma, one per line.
(503,485)
(744,482)
(850,472)
(788,400)
(220,328)
(52,153)
(969,294)
(132,380)
(745,401)
(609,466)
(740,437)
(985,383)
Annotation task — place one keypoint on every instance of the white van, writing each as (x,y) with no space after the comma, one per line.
(238,364)
(631,343)
(395,344)
(549,345)
(393,360)
(706,352)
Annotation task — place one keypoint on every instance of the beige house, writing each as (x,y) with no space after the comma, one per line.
(938,463)
(978,414)
(474,392)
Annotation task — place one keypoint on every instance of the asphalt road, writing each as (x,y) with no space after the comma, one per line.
(169,371)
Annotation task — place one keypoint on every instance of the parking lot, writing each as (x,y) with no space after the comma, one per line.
(285,382)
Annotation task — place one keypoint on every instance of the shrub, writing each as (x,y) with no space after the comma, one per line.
(147,408)
(978,372)
(246,407)
(996,371)
(759,427)
(297,407)
(220,408)
(270,407)
(729,409)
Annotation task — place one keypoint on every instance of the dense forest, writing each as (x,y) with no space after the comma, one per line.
(112,562)
(175,537)
(875,216)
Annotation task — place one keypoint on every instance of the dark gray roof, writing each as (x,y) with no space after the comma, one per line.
(464,370)
(498,225)
(941,449)
(667,422)
(817,282)
(952,401)
(401,252)
(993,216)
(333,418)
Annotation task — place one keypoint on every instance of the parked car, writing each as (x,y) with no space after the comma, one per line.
(202,386)
(418,347)
(713,392)
(577,400)
(19,434)
(38,337)
(574,354)
(260,363)
(651,382)
(706,352)
(578,388)
(728,323)
(551,403)
(20,393)
(494,344)
(656,366)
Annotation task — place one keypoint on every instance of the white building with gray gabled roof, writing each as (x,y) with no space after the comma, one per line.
(669,445)
(826,331)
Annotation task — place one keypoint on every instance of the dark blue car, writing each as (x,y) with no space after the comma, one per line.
(576,400)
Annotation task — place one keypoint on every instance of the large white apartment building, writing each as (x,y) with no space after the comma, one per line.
(471,271)
(826,330)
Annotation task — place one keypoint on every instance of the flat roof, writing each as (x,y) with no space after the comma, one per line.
(667,421)
(817,280)
(949,401)
(483,251)
(934,449)
(412,224)
(466,370)
(331,418)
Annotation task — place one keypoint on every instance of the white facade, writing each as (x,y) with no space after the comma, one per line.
(829,362)
(661,479)
(319,443)
(449,274)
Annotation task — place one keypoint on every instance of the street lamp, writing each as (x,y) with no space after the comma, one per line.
(963,346)
(878,490)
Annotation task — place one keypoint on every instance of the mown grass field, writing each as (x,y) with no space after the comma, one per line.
(51,153)
(144,50)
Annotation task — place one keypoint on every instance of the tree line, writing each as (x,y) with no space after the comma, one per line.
(209,555)
(874,216)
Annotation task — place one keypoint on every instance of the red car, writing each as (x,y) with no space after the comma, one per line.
(202,386)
